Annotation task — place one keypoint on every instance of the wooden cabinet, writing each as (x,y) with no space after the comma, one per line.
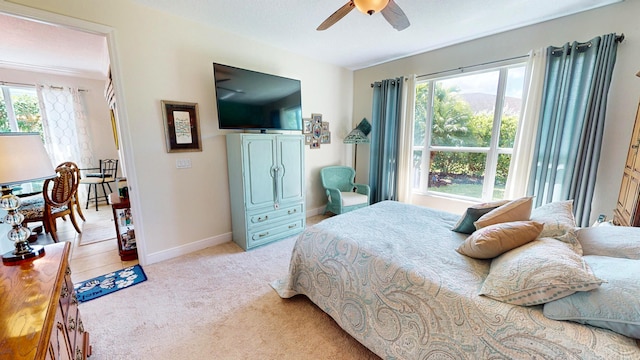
(266,186)
(125,231)
(40,317)
(627,212)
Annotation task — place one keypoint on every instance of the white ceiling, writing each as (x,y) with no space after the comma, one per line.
(357,41)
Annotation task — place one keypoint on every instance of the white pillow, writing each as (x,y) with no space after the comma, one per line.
(538,272)
(614,241)
(615,305)
(557,218)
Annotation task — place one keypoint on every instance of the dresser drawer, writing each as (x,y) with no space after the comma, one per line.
(264,217)
(266,234)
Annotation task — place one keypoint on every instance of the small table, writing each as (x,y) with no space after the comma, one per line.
(124,229)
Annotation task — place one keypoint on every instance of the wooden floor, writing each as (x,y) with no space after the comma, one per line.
(95,259)
(90,260)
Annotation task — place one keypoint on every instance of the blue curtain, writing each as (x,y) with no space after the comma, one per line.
(385,132)
(569,136)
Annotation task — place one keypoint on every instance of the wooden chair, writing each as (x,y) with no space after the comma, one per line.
(58,196)
(104,174)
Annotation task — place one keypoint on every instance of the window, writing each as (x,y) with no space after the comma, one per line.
(19,110)
(469,144)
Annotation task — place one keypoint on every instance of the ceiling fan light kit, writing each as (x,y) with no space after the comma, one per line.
(370,6)
(388,8)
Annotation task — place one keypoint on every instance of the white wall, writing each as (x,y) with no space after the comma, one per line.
(163,57)
(623,95)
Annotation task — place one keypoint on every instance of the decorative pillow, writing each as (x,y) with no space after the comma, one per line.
(614,241)
(614,306)
(538,272)
(557,218)
(472,214)
(515,210)
(496,239)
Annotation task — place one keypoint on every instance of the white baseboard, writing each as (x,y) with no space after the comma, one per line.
(205,243)
(188,248)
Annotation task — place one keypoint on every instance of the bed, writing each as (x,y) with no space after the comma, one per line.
(389,275)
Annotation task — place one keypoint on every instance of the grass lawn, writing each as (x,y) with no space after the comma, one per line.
(468,190)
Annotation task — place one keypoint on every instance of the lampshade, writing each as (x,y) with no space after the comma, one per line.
(370,6)
(24,159)
(356,136)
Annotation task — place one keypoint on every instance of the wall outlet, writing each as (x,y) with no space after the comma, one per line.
(183,163)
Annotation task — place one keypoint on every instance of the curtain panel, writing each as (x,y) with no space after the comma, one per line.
(569,134)
(385,133)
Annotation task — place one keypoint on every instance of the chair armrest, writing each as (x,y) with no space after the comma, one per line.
(334,194)
(363,189)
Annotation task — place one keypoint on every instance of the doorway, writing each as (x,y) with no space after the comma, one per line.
(58,54)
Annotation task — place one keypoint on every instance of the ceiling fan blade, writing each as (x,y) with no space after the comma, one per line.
(339,14)
(395,16)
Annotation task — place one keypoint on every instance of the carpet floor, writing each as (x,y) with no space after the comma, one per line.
(215,304)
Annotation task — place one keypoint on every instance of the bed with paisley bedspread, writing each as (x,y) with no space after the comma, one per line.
(390,277)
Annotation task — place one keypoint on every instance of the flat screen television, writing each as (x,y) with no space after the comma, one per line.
(249,99)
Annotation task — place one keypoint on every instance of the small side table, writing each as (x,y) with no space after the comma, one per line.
(124,229)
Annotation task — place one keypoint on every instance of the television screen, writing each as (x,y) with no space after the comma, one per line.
(253,100)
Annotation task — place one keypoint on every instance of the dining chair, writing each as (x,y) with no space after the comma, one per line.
(104,174)
(57,195)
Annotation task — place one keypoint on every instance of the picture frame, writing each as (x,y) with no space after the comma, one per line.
(316,118)
(181,126)
(306,126)
(325,138)
(307,139)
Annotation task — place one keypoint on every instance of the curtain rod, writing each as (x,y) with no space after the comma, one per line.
(462,68)
(24,84)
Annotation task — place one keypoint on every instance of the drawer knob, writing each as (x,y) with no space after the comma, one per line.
(263,218)
(293,211)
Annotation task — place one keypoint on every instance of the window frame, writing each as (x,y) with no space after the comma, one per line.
(8,102)
(493,151)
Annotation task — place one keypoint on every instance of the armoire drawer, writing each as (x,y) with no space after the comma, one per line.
(268,216)
(266,234)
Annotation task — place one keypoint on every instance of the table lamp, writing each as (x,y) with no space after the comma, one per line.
(24,159)
(358,136)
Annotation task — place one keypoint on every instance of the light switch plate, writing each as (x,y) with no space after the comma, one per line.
(183,163)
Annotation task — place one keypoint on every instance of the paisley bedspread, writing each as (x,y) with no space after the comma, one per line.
(390,277)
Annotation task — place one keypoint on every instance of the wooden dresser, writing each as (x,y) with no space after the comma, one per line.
(39,317)
(627,212)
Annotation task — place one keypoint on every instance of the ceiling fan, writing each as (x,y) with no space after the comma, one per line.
(388,8)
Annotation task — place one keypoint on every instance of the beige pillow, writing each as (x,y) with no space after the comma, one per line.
(515,210)
(496,239)
(557,218)
(538,272)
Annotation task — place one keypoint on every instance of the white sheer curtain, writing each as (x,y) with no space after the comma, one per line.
(66,134)
(520,167)
(405,158)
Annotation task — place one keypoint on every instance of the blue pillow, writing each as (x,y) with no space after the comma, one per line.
(615,305)
(473,213)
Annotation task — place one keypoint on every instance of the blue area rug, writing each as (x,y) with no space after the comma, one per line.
(109,283)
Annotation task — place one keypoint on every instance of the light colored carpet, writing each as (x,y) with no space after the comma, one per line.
(215,304)
(96,231)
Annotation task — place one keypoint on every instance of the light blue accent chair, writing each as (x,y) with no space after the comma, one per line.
(343,194)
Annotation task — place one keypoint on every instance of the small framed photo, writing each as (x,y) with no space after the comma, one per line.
(181,126)
(307,139)
(306,126)
(315,143)
(325,126)
(316,118)
(325,138)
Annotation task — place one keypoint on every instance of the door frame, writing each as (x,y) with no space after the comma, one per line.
(124,135)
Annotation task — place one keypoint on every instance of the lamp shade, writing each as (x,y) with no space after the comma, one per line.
(24,158)
(356,136)
(370,6)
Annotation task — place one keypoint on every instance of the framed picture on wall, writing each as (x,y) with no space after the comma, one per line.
(181,126)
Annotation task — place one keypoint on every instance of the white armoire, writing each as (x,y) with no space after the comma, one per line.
(266,186)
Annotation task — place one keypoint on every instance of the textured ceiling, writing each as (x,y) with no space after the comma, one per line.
(355,42)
